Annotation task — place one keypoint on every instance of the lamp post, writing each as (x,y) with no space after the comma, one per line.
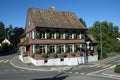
(87,48)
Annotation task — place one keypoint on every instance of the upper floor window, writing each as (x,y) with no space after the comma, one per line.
(27,35)
(52,35)
(43,35)
(79,36)
(62,36)
(33,34)
(29,23)
(70,36)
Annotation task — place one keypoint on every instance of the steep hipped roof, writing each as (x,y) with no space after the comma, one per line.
(54,19)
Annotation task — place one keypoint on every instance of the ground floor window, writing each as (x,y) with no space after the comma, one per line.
(40,49)
(70,48)
(61,48)
(79,48)
(52,49)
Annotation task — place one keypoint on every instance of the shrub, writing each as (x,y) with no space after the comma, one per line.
(62,55)
(44,55)
(53,55)
(117,68)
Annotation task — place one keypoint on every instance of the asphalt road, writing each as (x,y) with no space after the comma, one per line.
(81,72)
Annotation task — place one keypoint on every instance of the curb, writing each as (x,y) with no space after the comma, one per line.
(51,69)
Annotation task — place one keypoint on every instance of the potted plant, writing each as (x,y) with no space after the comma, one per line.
(77,54)
(62,55)
(53,55)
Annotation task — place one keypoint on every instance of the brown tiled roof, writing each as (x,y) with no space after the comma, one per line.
(91,38)
(54,19)
(38,41)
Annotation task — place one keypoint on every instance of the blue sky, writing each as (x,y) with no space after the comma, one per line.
(15,11)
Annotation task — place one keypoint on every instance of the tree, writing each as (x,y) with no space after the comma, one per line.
(2,30)
(17,33)
(13,34)
(109,34)
(9,32)
(83,22)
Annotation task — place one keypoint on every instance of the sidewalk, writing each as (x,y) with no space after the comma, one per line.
(19,64)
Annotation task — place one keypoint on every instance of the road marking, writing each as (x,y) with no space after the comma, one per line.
(107,66)
(112,66)
(1,60)
(22,70)
(70,72)
(6,70)
(6,61)
(94,65)
(76,73)
(103,65)
(82,73)
(14,70)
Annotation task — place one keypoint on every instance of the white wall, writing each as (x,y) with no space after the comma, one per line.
(65,61)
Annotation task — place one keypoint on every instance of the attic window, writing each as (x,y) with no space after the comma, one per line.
(29,23)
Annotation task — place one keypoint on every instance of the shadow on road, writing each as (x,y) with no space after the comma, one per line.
(8,53)
(54,78)
(57,77)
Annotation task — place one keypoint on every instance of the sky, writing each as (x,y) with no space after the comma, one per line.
(15,11)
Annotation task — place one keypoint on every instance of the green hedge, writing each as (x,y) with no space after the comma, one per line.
(117,68)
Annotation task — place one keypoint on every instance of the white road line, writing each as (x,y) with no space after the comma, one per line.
(6,61)
(1,60)
(82,73)
(94,65)
(22,70)
(70,72)
(107,66)
(14,70)
(6,70)
(76,73)
(112,66)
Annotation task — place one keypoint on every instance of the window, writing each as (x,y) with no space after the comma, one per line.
(74,35)
(79,36)
(43,35)
(52,49)
(78,47)
(42,49)
(38,35)
(70,48)
(27,35)
(62,36)
(33,34)
(52,36)
(29,23)
(70,35)
(61,48)
(37,49)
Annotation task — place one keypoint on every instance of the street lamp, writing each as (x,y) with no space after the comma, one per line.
(87,48)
